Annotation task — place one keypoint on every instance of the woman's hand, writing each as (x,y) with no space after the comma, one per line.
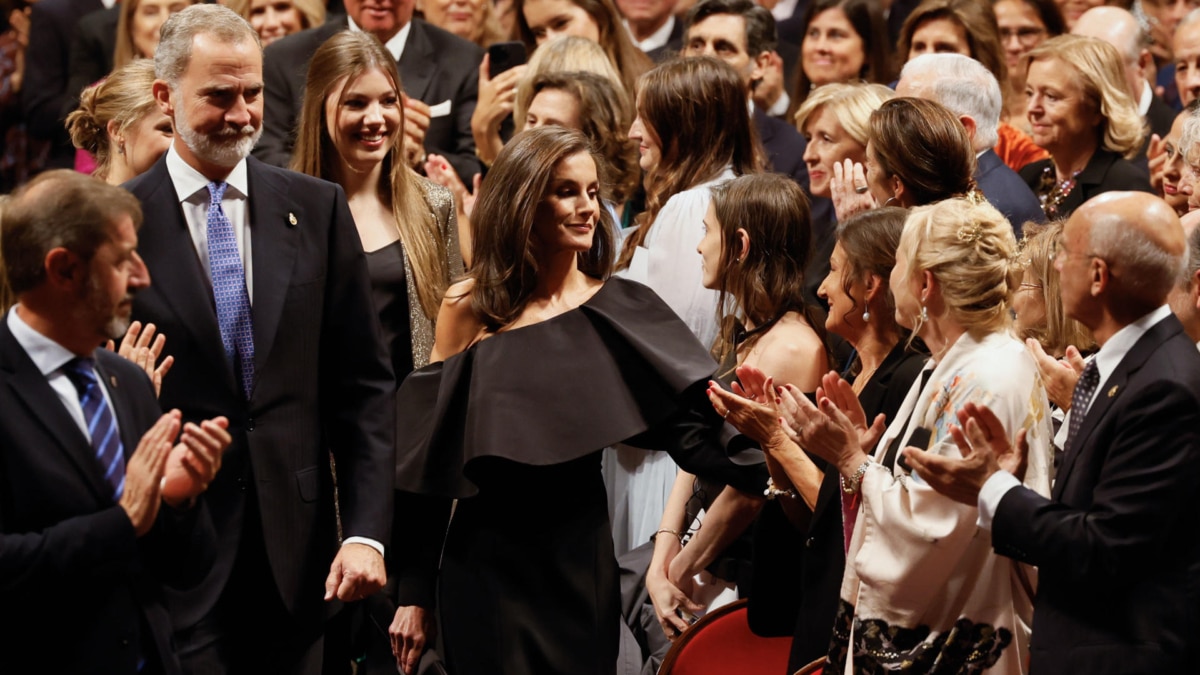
(438,170)
(668,598)
(848,178)
(1156,156)
(140,347)
(824,431)
(497,97)
(410,631)
(751,415)
(1058,375)
(841,393)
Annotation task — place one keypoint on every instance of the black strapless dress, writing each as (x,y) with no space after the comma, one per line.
(389,291)
(513,428)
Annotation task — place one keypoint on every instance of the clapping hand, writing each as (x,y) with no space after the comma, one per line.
(195,460)
(1058,375)
(983,442)
(140,347)
(822,429)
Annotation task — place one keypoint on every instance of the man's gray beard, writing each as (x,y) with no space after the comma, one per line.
(221,154)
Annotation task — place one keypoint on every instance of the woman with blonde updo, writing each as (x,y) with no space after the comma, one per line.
(120,124)
(921,587)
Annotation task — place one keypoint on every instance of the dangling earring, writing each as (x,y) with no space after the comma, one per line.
(121,148)
(924,314)
(866,315)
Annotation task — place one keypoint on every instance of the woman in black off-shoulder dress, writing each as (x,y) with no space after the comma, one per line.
(539,363)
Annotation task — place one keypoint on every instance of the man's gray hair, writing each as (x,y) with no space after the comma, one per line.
(966,87)
(174,51)
(1148,271)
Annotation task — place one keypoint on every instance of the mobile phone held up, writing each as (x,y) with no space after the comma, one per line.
(505,55)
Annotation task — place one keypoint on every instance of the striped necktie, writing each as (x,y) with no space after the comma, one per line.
(229,289)
(101,425)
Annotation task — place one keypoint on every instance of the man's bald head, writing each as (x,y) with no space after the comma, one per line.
(1140,240)
(1119,28)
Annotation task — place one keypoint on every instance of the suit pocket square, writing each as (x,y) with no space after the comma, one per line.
(440,110)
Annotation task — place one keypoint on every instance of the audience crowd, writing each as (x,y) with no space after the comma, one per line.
(520,336)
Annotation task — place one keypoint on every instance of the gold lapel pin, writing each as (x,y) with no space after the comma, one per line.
(1112,392)
(292,219)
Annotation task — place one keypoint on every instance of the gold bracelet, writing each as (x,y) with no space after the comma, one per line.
(486,164)
(852,486)
(678,536)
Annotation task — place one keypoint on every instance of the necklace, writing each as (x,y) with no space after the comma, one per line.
(1052,192)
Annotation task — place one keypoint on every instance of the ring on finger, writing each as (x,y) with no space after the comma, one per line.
(861,189)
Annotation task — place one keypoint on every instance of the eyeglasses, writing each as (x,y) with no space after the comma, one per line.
(1026,36)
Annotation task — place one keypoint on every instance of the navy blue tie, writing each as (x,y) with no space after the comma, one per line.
(102,427)
(229,289)
(1081,399)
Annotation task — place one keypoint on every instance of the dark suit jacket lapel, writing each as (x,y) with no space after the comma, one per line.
(273,251)
(43,405)
(1110,390)
(418,63)
(178,276)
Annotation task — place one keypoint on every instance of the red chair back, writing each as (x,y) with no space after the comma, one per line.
(721,643)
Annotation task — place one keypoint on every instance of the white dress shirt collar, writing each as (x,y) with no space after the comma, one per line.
(46,354)
(784,9)
(1146,99)
(1117,346)
(658,38)
(394,45)
(188,181)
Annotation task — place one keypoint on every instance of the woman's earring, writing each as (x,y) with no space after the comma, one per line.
(866,316)
(121,148)
(924,314)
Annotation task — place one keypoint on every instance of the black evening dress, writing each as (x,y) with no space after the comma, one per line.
(513,428)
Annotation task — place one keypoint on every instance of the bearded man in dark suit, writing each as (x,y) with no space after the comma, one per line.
(262,286)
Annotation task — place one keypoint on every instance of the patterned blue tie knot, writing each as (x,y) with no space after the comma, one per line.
(216,193)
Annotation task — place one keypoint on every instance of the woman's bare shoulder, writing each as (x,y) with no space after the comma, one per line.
(457,324)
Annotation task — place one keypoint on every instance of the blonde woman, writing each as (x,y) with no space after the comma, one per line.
(119,123)
(275,19)
(1082,115)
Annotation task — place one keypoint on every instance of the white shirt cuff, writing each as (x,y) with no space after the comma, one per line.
(991,493)
(365,540)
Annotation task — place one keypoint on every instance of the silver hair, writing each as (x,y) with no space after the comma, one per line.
(174,51)
(966,87)
(1149,271)
(1188,19)
(1193,259)
(1189,139)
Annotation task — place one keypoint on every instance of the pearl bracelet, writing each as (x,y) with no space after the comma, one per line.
(773,492)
